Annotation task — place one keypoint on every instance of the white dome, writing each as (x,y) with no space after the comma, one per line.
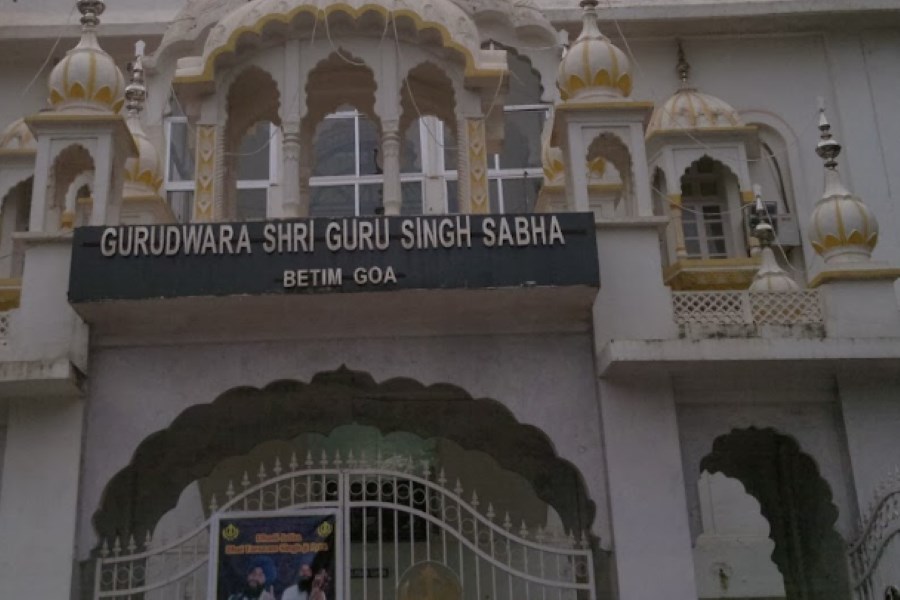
(771,277)
(87,78)
(842,228)
(689,109)
(594,68)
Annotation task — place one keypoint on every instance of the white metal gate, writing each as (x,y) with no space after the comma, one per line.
(875,556)
(395,515)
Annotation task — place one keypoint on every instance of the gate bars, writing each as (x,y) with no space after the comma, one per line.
(394,516)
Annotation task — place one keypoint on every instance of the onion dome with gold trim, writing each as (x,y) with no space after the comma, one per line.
(87,78)
(690,109)
(593,69)
(842,228)
(770,277)
(17,137)
(143,174)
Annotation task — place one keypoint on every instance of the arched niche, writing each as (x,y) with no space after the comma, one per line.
(15,213)
(608,149)
(252,105)
(73,168)
(796,501)
(712,218)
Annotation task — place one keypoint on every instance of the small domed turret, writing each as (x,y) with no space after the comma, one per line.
(87,78)
(593,69)
(842,229)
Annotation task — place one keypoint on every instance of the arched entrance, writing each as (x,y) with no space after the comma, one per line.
(394,510)
(796,501)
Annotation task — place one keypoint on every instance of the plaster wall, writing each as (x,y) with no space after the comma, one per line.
(17,99)
(545,381)
(872,420)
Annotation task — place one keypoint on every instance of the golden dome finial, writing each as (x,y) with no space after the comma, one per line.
(683,66)
(143,174)
(770,277)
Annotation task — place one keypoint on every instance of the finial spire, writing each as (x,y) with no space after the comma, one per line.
(589,22)
(763,231)
(828,149)
(90,12)
(842,228)
(683,67)
(135,91)
(770,277)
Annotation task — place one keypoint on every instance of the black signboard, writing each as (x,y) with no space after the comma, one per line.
(354,254)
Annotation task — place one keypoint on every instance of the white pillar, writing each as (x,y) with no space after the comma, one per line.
(290,171)
(390,152)
(651,535)
(39,497)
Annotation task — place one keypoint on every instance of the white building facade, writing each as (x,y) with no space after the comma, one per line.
(534,299)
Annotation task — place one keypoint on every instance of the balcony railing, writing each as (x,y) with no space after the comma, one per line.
(711,310)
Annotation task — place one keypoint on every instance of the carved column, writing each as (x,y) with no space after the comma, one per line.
(205,174)
(473,177)
(678,226)
(290,171)
(390,152)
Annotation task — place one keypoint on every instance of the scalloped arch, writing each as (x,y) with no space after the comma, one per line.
(230,45)
(241,418)
(796,501)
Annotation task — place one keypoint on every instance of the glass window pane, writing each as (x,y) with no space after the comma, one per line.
(452,198)
(369,148)
(412,198)
(717,248)
(182,204)
(494,193)
(181,153)
(692,247)
(714,229)
(332,201)
(522,141)
(253,153)
(709,188)
(370,200)
(335,147)
(520,194)
(711,211)
(450,148)
(251,204)
(690,229)
(411,150)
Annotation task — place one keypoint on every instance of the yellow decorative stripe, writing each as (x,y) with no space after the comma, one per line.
(478,180)
(205,173)
(823,277)
(230,46)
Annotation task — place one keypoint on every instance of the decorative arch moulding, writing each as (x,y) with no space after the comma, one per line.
(482,66)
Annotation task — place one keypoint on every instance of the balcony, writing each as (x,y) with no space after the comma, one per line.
(744,314)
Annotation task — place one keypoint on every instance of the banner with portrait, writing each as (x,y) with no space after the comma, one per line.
(274,557)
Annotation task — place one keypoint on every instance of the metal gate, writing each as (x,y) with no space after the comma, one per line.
(395,515)
(875,555)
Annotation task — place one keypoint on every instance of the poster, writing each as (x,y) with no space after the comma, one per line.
(274,557)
